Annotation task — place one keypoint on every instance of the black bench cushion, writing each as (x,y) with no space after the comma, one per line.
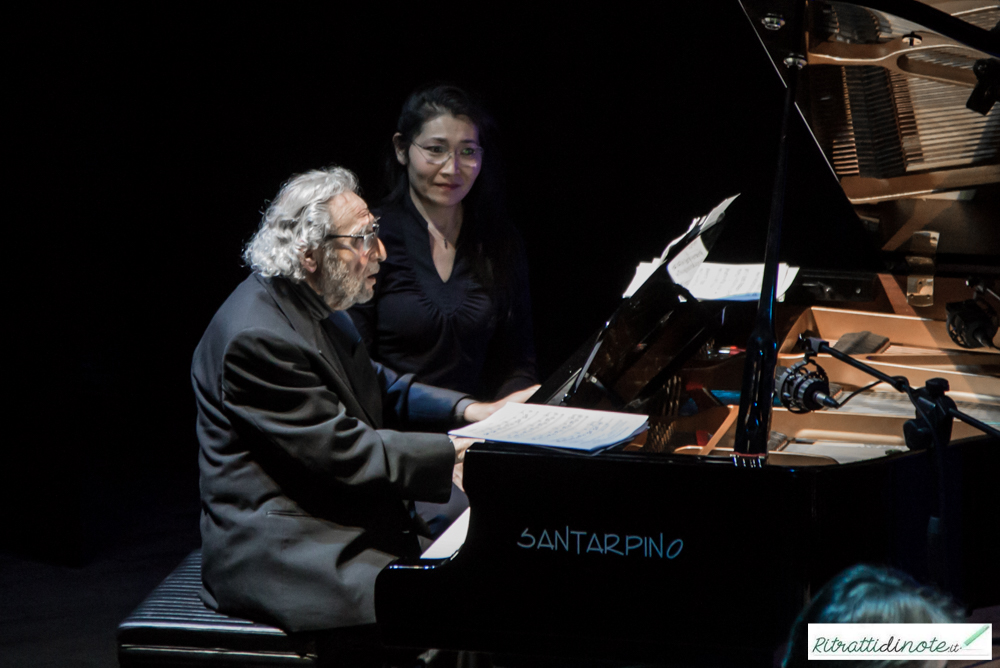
(172,627)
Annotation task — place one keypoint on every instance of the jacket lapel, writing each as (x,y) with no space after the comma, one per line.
(312,329)
(354,356)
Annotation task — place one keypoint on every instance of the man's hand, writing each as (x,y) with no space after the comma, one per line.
(481,411)
(475,413)
(462,444)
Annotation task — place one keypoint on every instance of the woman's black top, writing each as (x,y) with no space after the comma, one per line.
(447,333)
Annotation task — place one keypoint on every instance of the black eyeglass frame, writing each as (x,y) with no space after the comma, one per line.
(368,245)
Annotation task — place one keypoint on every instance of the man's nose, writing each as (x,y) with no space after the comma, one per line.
(379,249)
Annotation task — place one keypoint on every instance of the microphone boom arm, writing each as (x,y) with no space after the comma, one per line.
(815,346)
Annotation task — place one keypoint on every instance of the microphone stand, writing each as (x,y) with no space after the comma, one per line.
(931,429)
(928,398)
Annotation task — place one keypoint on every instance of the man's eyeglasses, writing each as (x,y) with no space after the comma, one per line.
(469,156)
(369,234)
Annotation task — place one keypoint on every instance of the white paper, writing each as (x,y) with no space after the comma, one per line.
(736,282)
(695,225)
(688,259)
(555,426)
(684,267)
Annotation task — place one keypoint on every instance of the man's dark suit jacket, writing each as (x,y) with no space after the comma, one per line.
(302,489)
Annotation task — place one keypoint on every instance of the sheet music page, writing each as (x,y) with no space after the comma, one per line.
(684,267)
(688,260)
(556,426)
(695,226)
(736,282)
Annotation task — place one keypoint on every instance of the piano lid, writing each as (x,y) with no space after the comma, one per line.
(885,99)
(629,363)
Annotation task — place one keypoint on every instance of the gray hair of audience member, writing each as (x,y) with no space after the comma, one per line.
(296,221)
(869,595)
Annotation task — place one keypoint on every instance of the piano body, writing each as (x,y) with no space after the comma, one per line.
(663,549)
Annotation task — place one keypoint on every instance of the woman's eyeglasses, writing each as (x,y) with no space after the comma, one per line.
(468,156)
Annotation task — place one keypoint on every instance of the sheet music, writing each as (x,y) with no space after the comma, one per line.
(684,267)
(736,282)
(688,260)
(556,426)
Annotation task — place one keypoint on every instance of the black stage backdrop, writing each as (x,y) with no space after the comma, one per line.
(146,142)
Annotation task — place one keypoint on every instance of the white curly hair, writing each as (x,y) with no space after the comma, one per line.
(296,221)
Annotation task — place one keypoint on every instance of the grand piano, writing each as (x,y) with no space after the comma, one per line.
(663,549)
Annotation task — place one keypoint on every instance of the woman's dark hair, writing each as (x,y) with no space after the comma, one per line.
(868,595)
(487,233)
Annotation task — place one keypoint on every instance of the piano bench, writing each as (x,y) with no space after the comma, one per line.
(173,628)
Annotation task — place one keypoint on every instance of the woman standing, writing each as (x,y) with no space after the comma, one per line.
(451,301)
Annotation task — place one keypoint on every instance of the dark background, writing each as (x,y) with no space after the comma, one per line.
(145,144)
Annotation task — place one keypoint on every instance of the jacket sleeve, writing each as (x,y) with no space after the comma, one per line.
(412,404)
(270,387)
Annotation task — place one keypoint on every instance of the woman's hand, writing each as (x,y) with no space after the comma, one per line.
(481,411)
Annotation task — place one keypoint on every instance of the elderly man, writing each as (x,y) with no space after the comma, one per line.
(306,492)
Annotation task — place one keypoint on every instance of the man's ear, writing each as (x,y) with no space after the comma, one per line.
(309,260)
(397,142)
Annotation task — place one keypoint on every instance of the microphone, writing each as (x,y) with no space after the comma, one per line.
(802,390)
(972,323)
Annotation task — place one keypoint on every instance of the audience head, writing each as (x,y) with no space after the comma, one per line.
(866,594)
(302,237)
